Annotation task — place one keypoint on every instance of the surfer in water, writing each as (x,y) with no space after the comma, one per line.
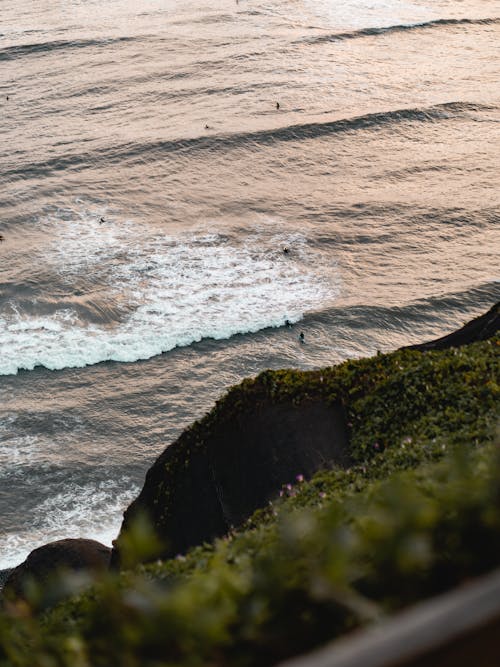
(302,338)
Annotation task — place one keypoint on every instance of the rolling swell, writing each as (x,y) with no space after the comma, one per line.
(46,48)
(415,314)
(384,214)
(225,142)
(410,27)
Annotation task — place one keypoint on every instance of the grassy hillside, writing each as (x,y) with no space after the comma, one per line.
(415,514)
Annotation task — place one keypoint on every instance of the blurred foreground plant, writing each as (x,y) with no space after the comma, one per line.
(282,587)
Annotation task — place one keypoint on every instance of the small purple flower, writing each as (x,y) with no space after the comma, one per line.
(376,446)
(281,493)
(300,478)
(322,495)
(288,487)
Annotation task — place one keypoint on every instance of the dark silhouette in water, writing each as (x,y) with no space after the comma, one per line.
(288,324)
(302,338)
(101,221)
(1,238)
(277,105)
(286,250)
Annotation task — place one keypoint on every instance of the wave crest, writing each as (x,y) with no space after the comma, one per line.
(45,48)
(405,27)
(225,142)
(177,290)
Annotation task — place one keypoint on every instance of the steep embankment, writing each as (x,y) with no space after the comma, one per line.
(270,429)
(411,511)
(237,458)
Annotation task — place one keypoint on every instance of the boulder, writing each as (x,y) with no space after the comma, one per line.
(237,459)
(44,563)
(481,328)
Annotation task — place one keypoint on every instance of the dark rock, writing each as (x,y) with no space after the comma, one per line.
(45,562)
(238,457)
(481,328)
(202,486)
(3,576)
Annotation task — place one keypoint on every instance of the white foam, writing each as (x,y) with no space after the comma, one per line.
(176,289)
(19,451)
(92,511)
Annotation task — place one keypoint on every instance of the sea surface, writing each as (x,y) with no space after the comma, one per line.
(148,187)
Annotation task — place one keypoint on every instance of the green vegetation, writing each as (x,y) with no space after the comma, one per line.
(447,395)
(416,514)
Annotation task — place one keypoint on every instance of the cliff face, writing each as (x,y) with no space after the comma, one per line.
(267,431)
(414,515)
(199,489)
(4,574)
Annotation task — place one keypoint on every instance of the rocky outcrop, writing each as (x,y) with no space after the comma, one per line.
(219,472)
(44,563)
(481,328)
(262,435)
(4,574)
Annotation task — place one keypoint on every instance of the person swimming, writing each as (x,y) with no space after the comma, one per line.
(288,324)
(286,250)
(277,105)
(302,338)
(101,221)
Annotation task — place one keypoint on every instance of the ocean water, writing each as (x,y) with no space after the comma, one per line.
(148,186)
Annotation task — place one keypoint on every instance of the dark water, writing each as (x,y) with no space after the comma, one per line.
(379,171)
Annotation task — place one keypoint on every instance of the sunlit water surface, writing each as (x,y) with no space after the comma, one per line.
(149,184)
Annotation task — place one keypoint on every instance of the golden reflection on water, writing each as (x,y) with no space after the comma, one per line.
(379,170)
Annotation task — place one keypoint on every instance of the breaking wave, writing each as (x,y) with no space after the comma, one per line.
(169,291)
(90,510)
